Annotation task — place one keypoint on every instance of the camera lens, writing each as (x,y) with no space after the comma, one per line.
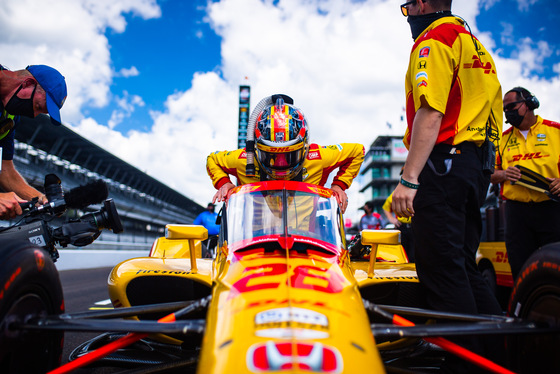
(106,218)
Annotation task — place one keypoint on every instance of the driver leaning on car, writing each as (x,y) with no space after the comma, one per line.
(283,152)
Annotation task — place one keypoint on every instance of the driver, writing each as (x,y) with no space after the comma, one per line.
(283,152)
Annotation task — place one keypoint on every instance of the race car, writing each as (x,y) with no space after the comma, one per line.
(284,294)
(491,257)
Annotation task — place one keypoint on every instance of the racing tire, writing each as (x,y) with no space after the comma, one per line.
(29,287)
(536,297)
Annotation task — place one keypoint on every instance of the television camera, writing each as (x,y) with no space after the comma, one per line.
(35,226)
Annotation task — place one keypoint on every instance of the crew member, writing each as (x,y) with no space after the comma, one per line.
(453,102)
(29,92)
(371,220)
(403,225)
(283,152)
(532,218)
(208,220)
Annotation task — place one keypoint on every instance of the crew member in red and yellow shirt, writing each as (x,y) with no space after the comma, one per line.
(283,152)
(453,103)
(532,218)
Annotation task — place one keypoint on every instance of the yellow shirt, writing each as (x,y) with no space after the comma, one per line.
(320,161)
(455,79)
(540,152)
(387,207)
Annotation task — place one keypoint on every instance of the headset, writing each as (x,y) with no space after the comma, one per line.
(530,100)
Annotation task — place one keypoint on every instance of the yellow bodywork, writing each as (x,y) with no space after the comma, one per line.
(495,254)
(272,311)
(266,302)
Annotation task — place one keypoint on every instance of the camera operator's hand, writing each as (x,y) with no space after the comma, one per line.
(43,200)
(9,205)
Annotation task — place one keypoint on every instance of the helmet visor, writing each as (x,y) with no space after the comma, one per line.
(281,162)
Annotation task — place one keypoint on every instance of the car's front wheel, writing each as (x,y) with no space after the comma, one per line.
(29,287)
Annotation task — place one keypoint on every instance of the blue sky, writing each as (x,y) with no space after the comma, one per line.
(165,57)
(156,81)
(512,22)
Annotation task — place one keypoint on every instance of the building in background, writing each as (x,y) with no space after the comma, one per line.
(382,167)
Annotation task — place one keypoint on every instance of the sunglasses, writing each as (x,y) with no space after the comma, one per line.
(511,106)
(404,7)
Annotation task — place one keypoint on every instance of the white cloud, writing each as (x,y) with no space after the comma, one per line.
(506,35)
(130,72)
(126,106)
(68,35)
(524,5)
(340,65)
(175,149)
(487,4)
(531,55)
(342,61)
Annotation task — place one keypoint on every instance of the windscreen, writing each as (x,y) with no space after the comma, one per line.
(265,215)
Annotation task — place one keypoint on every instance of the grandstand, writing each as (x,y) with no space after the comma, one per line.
(145,205)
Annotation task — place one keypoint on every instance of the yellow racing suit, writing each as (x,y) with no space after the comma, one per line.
(319,163)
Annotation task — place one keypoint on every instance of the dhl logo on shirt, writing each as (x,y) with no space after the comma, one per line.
(528,156)
(477,64)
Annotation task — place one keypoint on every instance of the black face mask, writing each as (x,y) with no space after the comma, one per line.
(513,118)
(421,22)
(21,107)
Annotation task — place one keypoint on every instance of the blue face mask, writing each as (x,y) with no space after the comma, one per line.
(21,107)
(421,22)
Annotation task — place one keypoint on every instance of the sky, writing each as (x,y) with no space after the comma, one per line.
(156,82)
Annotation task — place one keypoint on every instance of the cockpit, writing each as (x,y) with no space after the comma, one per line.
(292,214)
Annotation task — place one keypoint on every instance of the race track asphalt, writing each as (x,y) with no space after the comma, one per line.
(82,289)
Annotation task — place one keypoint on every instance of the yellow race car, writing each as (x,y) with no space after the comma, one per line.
(286,294)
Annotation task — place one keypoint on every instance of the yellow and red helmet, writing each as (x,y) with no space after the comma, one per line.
(282,140)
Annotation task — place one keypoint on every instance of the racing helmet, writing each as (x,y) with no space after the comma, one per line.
(282,140)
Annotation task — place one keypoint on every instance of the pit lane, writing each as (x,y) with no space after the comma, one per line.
(82,289)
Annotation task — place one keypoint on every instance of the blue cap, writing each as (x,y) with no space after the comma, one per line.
(55,87)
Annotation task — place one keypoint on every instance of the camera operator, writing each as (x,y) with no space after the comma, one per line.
(28,92)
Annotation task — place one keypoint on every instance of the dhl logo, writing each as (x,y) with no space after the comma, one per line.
(246,188)
(477,64)
(321,191)
(294,147)
(527,156)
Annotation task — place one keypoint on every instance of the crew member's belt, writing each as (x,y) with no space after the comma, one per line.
(456,149)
